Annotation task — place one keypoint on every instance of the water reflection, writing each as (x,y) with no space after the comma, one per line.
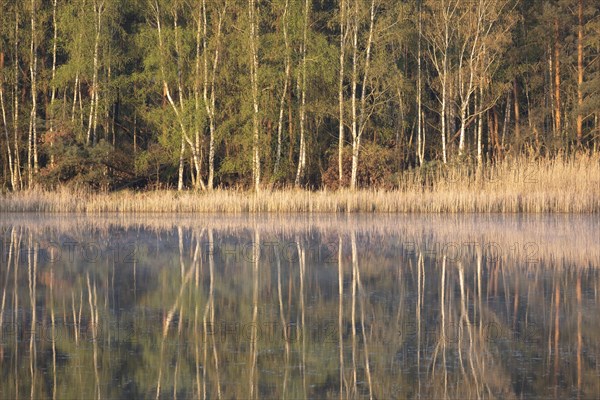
(300,307)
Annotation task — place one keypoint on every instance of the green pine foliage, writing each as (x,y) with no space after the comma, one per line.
(140,134)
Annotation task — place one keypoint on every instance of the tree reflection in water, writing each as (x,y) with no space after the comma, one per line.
(298,307)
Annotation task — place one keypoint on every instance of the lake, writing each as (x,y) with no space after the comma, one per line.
(299,306)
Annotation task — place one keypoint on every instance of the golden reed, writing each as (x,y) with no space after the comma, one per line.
(560,184)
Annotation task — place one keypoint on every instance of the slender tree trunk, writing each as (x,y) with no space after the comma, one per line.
(557,77)
(167,93)
(464,111)
(209,101)
(463,128)
(194,145)
(341,89)
(443,112)
(496,146)
(480,127)
(579,70)
(197,127)
(285,87)
(100,10)
(93,117)
(11,166)
(550,91)
(252,18)
(109,108)
(135,133)
(596,128)
(75,91)
(290,129)
(211,154)
(180,171)
(180,94)
(445,88)
(16,101)
(361,122)
(302,152)
(80,100)
(506,118)
(30,151)
(196,165)
(353,94)
(517,111)
(33,72)
(77,85)
(211,145)
(53,94)
(420,136)
(439,37)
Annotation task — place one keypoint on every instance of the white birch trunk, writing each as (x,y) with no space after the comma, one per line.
(197,126)
(33,72)
(444,96)
(11,166)
(302,152)
(53,93)
(480,128)
(209,100)
(75,91)
(180,171)
(420,140)
(254,81)
(167,92)
(362,119)
(341,89)
(30,152)
(206,104)
(285,87)
(353,94)
(16,101)
(93,117)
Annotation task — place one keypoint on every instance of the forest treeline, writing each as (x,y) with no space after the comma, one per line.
(201,94)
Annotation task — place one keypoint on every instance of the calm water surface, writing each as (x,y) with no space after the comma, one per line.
(299,307)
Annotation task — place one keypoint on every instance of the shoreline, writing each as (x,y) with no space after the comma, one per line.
(547,185)
(299,201)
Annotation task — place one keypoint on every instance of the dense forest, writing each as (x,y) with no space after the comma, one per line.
(110,94)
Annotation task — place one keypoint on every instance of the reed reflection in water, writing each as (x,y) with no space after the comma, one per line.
(300,307)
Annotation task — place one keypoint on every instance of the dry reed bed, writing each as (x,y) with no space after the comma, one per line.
(560,184)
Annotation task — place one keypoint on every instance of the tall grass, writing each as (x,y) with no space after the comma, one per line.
(561,184)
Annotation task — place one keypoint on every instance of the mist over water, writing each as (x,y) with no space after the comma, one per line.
(300,306)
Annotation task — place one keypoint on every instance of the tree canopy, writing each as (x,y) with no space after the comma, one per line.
(247,93)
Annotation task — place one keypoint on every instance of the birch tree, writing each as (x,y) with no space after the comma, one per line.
(480,36)
(343,34)
(98,8)
(53,76)
(286,82)
(12,167)
(580,69)
(209,89)
(440,34)
(32,151)
(212,92)
(359,118)
(253,40)
(420,128)
(177,106)
(302,150)
(15,94)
